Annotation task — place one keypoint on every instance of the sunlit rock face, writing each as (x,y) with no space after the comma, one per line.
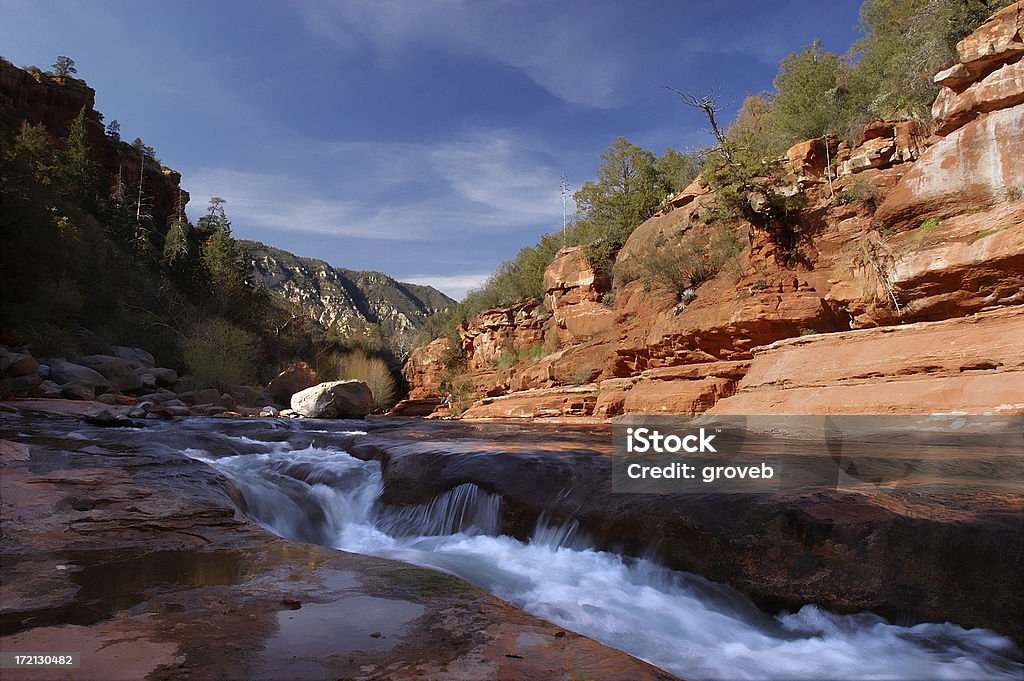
(367,304)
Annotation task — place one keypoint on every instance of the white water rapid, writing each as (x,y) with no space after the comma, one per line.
(677,621)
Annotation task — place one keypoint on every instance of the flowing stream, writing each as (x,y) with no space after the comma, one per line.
(675,620)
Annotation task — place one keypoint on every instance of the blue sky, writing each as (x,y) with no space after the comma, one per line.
(424,138)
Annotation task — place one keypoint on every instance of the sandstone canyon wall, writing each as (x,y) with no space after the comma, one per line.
(54,102)
(902,290)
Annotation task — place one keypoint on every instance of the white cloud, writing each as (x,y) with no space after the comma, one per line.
(564,52)
(495,169)
(446,191)
(455,285)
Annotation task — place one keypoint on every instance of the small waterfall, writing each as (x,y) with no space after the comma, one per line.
(680,622)
(465,508)
(565,535)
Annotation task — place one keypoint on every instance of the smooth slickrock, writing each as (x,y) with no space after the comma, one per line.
(540,403)
(138,558)
(973,168)
(683,390)
(916,554)
(970,365)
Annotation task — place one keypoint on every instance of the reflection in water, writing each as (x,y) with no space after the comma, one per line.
(120,580)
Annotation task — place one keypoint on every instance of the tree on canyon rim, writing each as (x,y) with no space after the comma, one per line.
(64,66)
(628,190)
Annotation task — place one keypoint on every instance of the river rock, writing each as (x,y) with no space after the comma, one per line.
(20,385)
(74,391)
(91,344)
(118,371)
(48,390)
(293,378)
(164,377)
(166,410)
(102,416)
(115,399)
(64,372)
(21,364)
(137,357)
(334,400)
(204,396)
(247,395)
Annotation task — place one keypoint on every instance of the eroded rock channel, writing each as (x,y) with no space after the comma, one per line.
(135,546)
(119,546)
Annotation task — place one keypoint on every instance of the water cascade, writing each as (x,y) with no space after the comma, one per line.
(675,620)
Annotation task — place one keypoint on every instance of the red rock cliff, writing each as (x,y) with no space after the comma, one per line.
(903,291)
(27,97)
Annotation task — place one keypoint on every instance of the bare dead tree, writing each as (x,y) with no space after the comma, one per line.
(744,181)
(142,174)
(709,105)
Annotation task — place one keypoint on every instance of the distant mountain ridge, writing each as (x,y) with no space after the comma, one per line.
(354,302)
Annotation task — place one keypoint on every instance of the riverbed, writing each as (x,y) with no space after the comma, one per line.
(528,541)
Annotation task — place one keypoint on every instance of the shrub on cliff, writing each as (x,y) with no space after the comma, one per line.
(905,43)
(629,189)
(680,267)
(805,104)
(64,66)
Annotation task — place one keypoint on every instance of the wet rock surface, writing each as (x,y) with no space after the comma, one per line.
(911,554)
(117,545)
